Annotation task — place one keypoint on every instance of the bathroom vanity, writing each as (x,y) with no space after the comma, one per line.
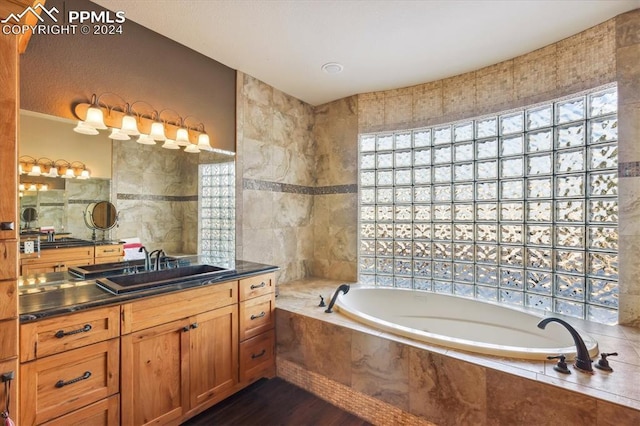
(161,355)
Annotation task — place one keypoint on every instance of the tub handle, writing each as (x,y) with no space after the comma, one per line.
(561,366)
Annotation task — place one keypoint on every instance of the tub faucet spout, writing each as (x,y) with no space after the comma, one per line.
(583,360)
(344,288)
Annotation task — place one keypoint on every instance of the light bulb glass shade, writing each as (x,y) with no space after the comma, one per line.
(35,171)
(182,137)
(145,140)
(203,142)
(84,174)
(20,170)
(170,144)
(32,187)
(44,187)
(68,174)
(85,129)
(129,125)
(117,135)
(192,148)
(157,131)
(95,118)
(53,172)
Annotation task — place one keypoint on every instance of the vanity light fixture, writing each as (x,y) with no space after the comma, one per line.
(95,117)
(28,186)
(170,144)
(85,129)
(146,139)
(49,168)
(128,119)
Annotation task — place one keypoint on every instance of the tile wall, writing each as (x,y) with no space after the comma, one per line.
(317,234)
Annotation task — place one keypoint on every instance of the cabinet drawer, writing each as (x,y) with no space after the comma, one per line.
(257,286)
(59,255)
(257,357)
(108,259)
(256,316)
(53,266)
(50,336)
(110,250)
(158,310)
(59,384)
(105,412)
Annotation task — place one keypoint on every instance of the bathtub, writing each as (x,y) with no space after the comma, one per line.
(460,323)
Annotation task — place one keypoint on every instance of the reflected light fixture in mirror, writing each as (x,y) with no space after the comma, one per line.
(45,167)
(126,120)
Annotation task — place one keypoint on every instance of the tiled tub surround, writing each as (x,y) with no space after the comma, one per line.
(606,53)
(387,379)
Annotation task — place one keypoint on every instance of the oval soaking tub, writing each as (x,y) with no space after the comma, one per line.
(460,323)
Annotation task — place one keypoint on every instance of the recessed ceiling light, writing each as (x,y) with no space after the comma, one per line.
(332,68)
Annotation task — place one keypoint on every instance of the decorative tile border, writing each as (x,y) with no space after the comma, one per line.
(366,407)
(263,185)
(631,169)
(149,197)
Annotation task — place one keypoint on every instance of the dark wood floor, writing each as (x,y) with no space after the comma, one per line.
(275,402)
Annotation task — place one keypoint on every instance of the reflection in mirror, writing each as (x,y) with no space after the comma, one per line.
(157,192)
(100,216)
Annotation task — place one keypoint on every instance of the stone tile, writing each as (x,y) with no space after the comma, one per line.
(446,391)
(289,333)
(615,415)
(459,95)
(427,103)
(513,401)
(380,368)
(495,85)
(628,74)
(327,350)
(535,73)
(370,112)
(398,110)
(628,28)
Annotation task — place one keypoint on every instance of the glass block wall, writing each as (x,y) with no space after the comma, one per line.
(519,208)
(217,213)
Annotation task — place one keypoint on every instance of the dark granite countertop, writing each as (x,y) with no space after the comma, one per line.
(58,293)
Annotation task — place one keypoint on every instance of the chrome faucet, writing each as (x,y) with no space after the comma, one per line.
(583,360)
(147,258)
(344,288)
(159,255)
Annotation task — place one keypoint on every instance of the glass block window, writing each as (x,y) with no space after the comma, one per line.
(217,213)
(519,208)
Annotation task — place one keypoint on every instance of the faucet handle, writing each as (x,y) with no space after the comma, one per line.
(603,363)
(561,366)
(322,304)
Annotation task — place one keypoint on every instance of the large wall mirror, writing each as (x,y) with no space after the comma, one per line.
(160,195)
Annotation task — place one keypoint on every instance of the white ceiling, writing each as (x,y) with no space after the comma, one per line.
(383,44)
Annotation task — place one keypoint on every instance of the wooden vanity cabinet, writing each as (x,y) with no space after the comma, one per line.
(109,253)
(179,354)
(257,332)
(70,369)
(60,259)
(56,260)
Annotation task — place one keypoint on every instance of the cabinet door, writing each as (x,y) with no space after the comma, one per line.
(213,354)
(155,366)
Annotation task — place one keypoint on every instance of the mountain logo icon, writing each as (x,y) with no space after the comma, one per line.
(33,10)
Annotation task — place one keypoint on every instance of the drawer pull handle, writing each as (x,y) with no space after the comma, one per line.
(62,383)
(254,286)
(254,356)
(260,315)
(61,333)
